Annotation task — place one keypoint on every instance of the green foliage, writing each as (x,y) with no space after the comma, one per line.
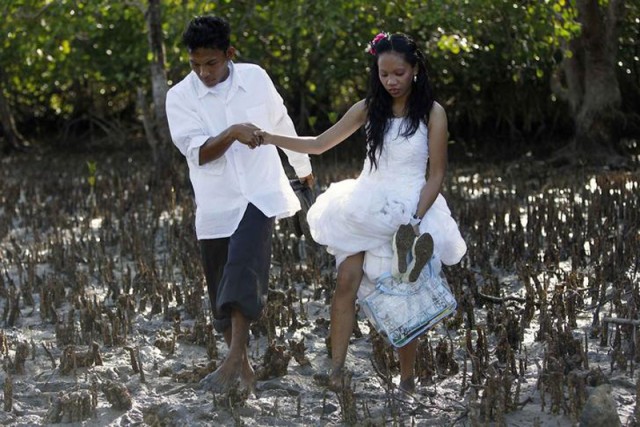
(67,58)
(490,60)
(92,168)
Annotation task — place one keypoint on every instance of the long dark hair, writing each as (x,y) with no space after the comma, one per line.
(379,102)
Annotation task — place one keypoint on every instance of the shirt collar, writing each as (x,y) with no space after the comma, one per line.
(236,82)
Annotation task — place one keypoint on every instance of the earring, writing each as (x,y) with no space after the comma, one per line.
(415,78)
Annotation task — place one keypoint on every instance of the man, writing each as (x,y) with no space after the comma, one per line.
(239,189)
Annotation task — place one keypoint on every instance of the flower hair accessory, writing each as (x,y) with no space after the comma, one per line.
(370,46)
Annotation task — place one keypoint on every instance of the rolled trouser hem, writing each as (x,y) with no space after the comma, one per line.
(221,325)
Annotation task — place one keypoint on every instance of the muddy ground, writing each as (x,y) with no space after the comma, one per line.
(105,319)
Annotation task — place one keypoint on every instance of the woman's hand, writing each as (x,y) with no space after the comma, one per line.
(260,137)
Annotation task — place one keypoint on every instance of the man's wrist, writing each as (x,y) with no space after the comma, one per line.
(231,133)
(415,220)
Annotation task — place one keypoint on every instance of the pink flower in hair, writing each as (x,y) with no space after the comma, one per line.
(370,46)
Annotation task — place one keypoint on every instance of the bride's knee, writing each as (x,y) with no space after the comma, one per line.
(349,277)
(347,285)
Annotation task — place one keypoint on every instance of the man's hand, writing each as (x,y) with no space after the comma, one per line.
(244,133)
(216,146)
(308,180)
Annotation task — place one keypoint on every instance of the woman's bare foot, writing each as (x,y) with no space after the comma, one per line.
(408,385)
(405,391)
(334,381)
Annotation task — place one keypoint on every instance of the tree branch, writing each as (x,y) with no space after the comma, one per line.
(615,16)
(498,300)
(621,321)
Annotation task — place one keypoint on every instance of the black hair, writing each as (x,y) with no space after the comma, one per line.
(379,102)
(209,32)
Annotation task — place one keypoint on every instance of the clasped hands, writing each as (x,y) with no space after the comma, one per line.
(252,136)
(249,134)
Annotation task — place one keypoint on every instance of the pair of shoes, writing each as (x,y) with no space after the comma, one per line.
(402,242)
(421,253)
(410,253)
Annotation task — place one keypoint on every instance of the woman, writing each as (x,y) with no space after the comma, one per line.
(362,220)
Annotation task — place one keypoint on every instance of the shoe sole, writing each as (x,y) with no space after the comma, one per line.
(422,251)
(403,241)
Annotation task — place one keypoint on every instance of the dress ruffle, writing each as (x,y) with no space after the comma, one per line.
(362,214)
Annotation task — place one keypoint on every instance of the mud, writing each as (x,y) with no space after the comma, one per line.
(106,321)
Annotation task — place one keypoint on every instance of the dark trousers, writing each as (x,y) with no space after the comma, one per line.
(236,268)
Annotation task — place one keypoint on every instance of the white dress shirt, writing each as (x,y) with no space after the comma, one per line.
(225,186)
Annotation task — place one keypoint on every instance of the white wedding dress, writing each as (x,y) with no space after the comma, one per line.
(362,214)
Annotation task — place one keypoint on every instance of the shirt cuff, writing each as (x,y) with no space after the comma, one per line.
(193,152)
(305,170)
(299,162)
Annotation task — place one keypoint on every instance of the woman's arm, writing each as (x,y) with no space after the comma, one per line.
(438,133)
(216,146)
(345,127)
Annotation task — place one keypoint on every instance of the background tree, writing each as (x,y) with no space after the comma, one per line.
(72,68)
(12,136)
(154,118)
(515,77)
(589,73)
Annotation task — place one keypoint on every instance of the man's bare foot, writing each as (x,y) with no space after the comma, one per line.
(248,378)
(222,379)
